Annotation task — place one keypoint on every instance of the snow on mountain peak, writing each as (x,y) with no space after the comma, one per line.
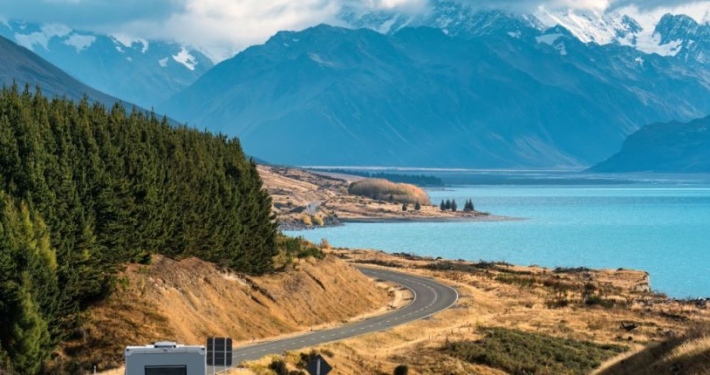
(79,41)
(129,41)
(185,58)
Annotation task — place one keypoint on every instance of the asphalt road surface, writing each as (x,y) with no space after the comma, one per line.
(430,297)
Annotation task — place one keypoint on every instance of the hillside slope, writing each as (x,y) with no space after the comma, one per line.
(419,97)
(187,301)
(672,148)
(22,66)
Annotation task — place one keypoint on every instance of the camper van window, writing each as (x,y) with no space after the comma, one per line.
(165,370)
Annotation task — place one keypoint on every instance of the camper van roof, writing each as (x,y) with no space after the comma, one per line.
(164,347)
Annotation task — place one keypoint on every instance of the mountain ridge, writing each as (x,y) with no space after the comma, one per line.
(672,147)
(137,70)
(422,97)
(23,67)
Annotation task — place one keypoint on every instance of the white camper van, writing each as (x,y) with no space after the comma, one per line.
(165,358)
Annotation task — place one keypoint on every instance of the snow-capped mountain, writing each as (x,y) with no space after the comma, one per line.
(692,40)
(140,71)
(672,35)
(453,18)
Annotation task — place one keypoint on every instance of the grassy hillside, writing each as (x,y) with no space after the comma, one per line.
(189,300)
(84,190)
(687,354)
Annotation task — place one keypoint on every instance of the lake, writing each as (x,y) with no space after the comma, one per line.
(662,229)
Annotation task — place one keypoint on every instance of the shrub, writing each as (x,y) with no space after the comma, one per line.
(522,353)
(385,190)
(311,251)
(318,219)
(401,370)
(279,367)
(306,220)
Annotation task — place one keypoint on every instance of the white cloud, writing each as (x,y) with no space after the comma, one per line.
(221,28)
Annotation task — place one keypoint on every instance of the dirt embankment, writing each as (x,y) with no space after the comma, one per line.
(187,301)
(607,307)
(303,200)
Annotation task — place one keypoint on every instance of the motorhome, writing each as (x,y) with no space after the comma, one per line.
(165,358)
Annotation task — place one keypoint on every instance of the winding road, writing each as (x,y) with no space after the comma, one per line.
(430,297)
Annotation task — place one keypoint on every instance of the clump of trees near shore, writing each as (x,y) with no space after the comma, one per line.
(84,189)
(451,205)
(389,191)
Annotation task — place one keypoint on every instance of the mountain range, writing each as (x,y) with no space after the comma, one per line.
(22,67)
(666,147)
(137,70)
(448,87)
(486,89)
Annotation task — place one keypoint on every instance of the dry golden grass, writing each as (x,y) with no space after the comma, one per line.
(187,301)
(384,190)
(485,301)
(686,355)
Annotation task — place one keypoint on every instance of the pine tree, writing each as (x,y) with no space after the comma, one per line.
(417,206)
(27,287)
(87,189)
(404,207)
(468,206)
(442,206)
(447,205)
(454,207)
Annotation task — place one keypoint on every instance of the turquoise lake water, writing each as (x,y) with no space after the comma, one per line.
(664,230)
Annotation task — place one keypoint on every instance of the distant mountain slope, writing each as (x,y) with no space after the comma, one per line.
(419,97)
(140,71)
(22,66)
(670,147)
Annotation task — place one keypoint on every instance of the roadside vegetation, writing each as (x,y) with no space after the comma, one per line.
(384,190)
(521,353)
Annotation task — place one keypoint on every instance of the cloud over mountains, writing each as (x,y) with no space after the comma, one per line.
(223,27)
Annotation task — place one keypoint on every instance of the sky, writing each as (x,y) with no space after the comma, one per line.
(224,27)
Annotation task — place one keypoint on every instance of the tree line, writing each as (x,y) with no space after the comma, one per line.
(451,205)
(419,180)
(85,189)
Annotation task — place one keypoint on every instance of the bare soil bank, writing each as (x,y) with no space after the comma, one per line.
(189,300)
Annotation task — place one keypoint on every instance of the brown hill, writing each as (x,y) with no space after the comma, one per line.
(187,301)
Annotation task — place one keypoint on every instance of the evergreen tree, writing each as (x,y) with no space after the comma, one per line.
(27,287)
(404,207)
(454,207)
(447,205)
(417,206)
(88,189)
(442,206)
(468,206)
